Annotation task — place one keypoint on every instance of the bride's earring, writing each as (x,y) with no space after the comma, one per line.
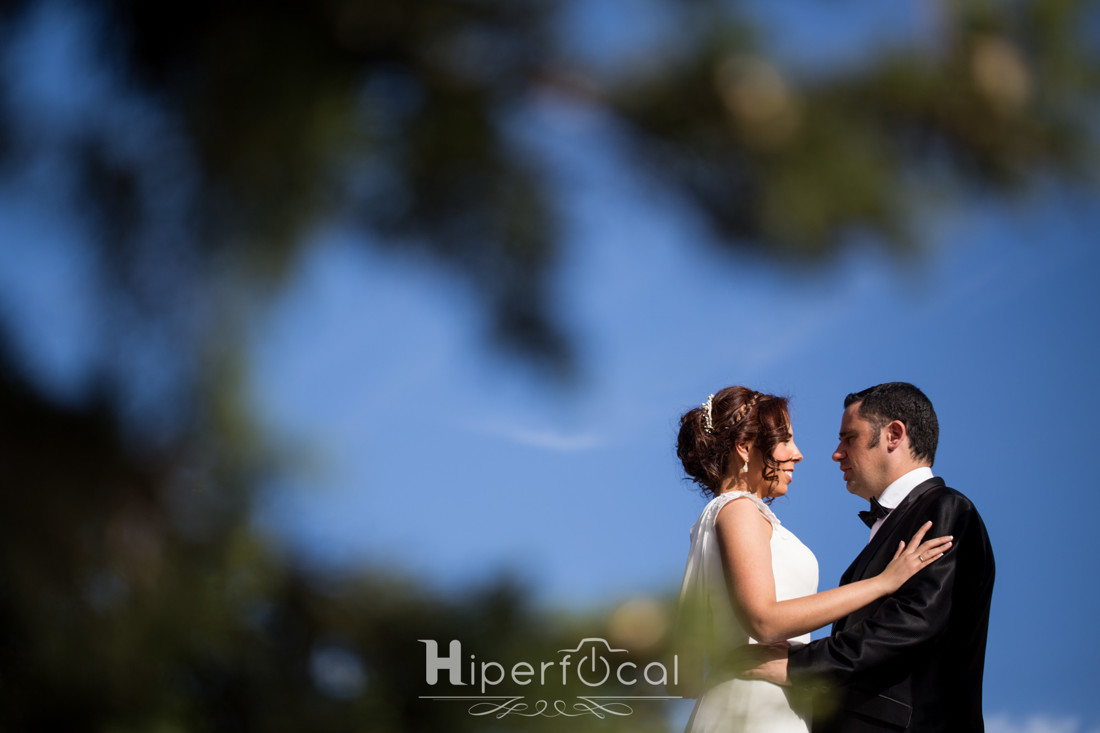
(745,467)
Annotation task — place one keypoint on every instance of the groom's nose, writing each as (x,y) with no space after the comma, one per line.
(838,456)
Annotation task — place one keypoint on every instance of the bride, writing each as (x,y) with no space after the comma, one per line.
(748,579)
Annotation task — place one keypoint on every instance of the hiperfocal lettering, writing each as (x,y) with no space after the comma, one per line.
(592,666)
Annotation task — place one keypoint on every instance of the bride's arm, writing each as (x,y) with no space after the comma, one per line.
(744,536)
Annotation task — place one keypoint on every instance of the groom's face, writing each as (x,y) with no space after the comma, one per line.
(864,465)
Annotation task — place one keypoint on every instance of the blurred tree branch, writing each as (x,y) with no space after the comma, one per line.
(392,117)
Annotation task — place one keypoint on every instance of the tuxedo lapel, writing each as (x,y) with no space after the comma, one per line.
(884,540)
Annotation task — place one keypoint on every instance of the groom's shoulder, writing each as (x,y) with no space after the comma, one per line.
(939,493)
(954,512)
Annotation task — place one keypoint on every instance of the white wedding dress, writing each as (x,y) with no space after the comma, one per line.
(735,705)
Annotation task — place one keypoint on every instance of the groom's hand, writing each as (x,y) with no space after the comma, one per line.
(768,662)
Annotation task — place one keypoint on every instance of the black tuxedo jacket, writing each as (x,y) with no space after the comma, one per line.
(912,661)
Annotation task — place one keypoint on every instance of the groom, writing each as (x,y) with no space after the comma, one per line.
(912,661)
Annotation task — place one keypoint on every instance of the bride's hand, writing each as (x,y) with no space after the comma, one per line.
(909,559)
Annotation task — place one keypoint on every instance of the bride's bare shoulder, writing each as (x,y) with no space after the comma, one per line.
(741,511)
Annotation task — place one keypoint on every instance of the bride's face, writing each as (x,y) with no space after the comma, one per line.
(786,454)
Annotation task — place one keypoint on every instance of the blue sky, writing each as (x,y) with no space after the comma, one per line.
(410,446)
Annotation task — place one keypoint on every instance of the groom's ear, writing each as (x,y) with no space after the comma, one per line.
(894,435)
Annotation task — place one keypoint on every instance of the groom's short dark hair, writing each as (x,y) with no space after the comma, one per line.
(885,403)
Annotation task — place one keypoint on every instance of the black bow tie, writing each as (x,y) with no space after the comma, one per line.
(877,512)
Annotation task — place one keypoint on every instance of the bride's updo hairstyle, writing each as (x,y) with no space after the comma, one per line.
(736,414)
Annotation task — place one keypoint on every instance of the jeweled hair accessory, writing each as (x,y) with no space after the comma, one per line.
(708,414)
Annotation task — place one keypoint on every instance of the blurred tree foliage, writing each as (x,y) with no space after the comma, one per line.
(205,145)
(134,596)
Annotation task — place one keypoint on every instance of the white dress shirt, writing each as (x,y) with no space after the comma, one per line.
(896,492)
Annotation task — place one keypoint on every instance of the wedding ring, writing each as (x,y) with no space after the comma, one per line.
(920,557)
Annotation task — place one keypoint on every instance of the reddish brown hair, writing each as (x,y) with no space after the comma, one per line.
(738,414)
